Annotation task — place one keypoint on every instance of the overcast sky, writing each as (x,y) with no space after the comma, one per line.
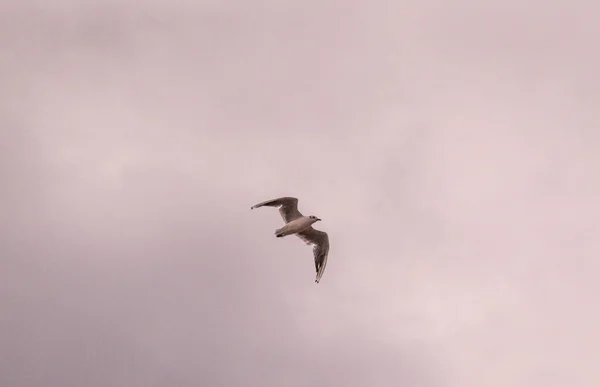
(452,151)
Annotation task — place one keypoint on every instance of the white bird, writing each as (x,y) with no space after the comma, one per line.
(301,226)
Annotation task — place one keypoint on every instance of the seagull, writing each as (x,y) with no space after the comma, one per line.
(301,226)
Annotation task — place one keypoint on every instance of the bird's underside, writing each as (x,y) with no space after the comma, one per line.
(301,226)
(293,227)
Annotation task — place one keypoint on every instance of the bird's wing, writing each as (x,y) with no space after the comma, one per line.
(320,240)
(288,207)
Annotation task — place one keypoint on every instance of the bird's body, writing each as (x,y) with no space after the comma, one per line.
(301,226)
(295,226)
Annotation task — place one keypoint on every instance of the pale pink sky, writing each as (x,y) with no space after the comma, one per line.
(451,149)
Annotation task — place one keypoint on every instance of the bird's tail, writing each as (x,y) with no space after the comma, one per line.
(280,232)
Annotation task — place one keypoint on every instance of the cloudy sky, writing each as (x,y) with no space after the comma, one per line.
(452,151)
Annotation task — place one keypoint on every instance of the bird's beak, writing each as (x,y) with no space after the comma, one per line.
(318,219)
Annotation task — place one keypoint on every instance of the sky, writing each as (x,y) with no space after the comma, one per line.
(452,151)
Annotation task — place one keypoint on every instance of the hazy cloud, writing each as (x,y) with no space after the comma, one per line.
(451,151)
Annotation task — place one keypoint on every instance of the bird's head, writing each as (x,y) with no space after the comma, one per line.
(314,218)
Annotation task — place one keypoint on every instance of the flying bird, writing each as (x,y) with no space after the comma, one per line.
(301,226)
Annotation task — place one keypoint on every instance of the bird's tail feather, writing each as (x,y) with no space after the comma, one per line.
(279,232)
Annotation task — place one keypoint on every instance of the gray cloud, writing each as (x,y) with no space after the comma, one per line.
(462,138)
